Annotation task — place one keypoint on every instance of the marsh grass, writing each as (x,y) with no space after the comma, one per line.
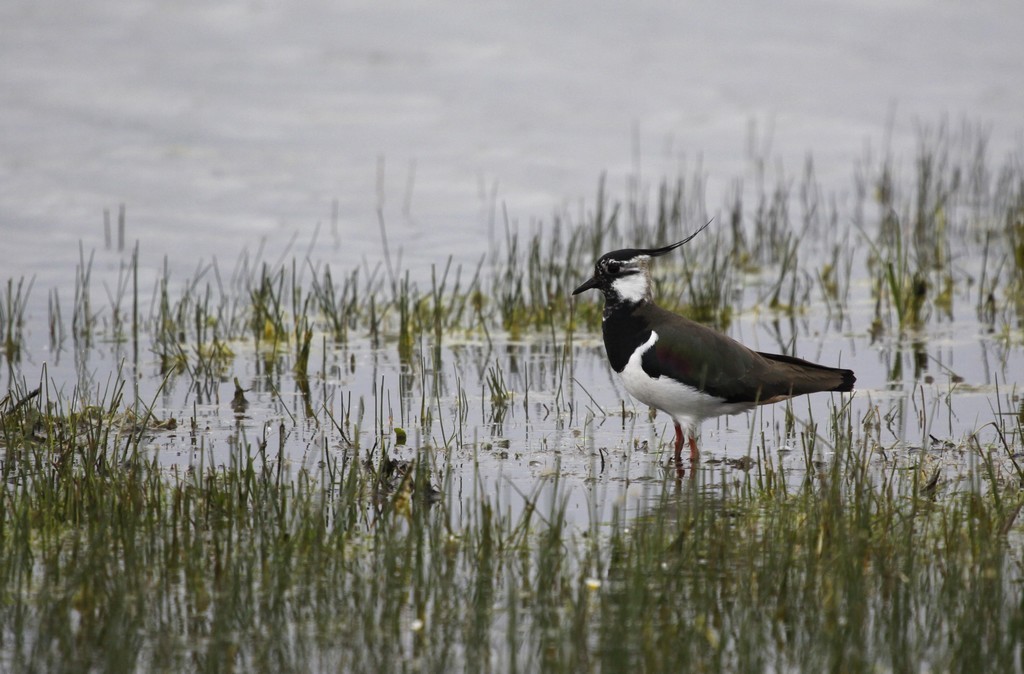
(929,225)
(114,562)
(789,250)
(340,531)
(12,318)
(1015,234)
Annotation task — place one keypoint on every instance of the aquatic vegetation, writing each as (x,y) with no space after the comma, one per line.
(12,317)
(305,468)
(119,562)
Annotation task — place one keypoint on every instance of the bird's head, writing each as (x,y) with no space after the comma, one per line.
(623,275)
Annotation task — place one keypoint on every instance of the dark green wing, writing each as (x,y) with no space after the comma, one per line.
(715,363)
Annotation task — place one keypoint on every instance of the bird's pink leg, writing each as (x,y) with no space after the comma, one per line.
(679,443)
(694,453)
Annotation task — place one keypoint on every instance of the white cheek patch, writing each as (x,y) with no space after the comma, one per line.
(632,288)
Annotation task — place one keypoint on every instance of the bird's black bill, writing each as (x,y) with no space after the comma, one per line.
(655,252)
(586,285)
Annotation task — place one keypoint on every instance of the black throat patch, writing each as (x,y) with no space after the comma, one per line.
(624,329)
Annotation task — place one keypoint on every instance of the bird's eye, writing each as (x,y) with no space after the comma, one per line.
(614,267)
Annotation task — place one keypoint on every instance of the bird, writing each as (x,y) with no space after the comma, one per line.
(684,368)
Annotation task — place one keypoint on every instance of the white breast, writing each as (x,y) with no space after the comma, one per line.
(685,404)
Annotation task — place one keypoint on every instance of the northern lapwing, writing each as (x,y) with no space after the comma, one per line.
(686,369)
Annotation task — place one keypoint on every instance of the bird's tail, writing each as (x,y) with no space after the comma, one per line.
(807,377)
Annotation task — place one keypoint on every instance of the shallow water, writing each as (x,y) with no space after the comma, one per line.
(245,133)
(568,427)
(220,126)
(281,130)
